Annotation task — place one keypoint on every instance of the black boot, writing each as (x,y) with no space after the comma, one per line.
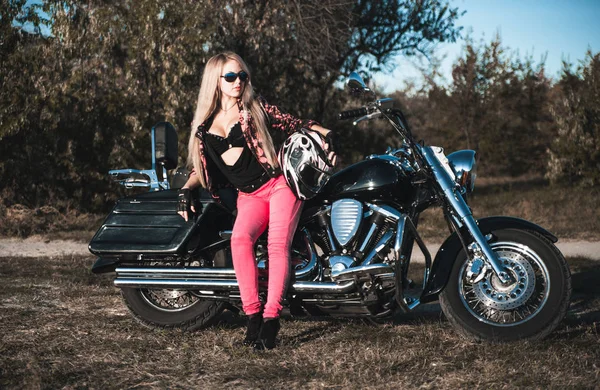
(268,334)
(253,330)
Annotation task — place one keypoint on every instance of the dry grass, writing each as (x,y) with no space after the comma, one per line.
(62,327)
(69,224)
(567,212)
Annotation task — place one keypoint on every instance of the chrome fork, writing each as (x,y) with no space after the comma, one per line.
(464,213)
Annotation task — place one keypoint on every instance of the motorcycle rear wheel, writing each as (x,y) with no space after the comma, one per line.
(528,309)
(164,309)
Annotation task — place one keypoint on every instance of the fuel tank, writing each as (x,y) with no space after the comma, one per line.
(370,180)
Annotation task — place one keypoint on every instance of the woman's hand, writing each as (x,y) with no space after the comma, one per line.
(331,147)
(184,203)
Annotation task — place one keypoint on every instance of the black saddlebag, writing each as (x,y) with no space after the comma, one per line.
(148,224)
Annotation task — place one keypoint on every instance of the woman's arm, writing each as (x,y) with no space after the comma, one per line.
(283,121)
(184,196)
(323,131)
(192,181)
(290,124)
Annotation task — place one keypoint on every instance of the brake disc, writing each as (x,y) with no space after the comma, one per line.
(492,293)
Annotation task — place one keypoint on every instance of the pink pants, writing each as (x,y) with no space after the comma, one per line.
(274,205)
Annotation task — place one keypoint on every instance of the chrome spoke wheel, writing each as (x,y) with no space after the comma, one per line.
(497,304)
(172,308)
(169,300)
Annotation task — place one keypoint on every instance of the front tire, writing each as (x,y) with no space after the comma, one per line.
(530,308)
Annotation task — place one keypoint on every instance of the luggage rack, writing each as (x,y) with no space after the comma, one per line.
(164,157)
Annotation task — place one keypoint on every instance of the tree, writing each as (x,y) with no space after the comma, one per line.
(496,104)
(574,155)
(23,109)
(90,91)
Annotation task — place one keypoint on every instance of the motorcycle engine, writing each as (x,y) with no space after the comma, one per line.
(346,215)
(359,244)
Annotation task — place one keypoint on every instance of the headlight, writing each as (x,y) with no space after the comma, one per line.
(463,163)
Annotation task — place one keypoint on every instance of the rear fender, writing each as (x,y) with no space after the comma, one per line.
(450,249)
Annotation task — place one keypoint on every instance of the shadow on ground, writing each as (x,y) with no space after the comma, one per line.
(584,309)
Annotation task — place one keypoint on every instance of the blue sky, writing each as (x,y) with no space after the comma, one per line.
(558,28)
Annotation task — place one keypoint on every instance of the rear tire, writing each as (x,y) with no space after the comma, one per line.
(165,309)
(530,308)
(181,309)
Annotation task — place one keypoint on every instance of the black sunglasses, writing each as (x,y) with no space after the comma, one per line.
(231,76)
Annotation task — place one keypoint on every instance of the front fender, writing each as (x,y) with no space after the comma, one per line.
(450,249)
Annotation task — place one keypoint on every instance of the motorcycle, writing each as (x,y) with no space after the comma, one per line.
(497,278)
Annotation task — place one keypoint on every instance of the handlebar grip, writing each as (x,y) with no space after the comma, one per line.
(352,113)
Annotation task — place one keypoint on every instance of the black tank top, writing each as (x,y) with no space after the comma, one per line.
(235,138)
(246,174)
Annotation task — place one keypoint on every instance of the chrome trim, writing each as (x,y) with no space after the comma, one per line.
(211,273)
(322,287)
(529,282)
(347,261)
(228,284)
(364,270)
(146,295)
(331,240)
(189,284)
(370,116)
(463,162)
(346,215)
(176,272)
(387,212)
(226,234)
(400,162)
(378,248)
(448,186)
(413,304)
(399,236)
(312,263)
(385,103)
(356,84)
(368,237)
(325,222)
(386,275)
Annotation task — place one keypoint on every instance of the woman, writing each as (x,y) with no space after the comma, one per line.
(230,145)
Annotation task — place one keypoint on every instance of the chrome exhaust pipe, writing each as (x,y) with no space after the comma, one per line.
(176,273)
(323,287)
(182,284)
(363,272)
(210,280)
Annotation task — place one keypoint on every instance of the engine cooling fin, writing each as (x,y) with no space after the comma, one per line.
(346,215)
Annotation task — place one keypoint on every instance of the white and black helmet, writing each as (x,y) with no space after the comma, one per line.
(304,163)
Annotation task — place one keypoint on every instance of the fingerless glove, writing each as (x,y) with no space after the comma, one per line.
(184,199)
(332,142)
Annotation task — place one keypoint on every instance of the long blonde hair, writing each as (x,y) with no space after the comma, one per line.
(208,99)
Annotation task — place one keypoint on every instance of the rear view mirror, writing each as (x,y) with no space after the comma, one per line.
(358,87)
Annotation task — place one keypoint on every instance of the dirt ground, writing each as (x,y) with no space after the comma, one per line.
(36,246)
(62,327)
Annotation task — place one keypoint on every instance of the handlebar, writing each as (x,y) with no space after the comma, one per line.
(351,114)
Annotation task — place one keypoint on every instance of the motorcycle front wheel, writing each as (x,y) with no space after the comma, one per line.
(529,308)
